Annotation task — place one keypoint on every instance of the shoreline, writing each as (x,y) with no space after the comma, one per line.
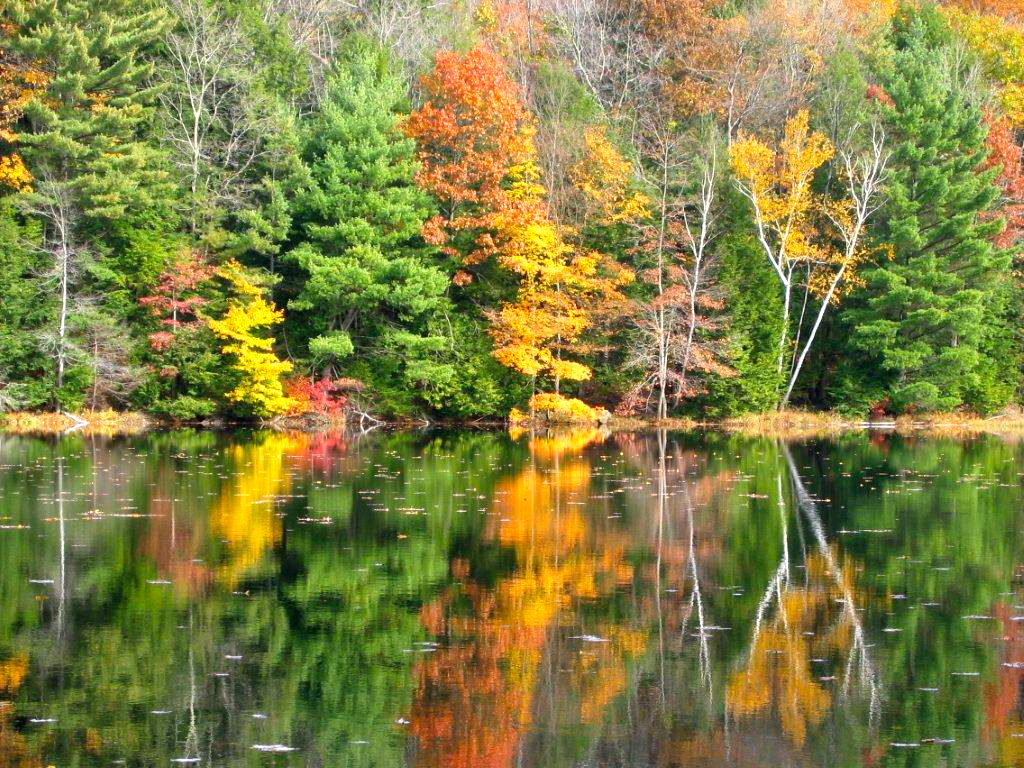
(783,425)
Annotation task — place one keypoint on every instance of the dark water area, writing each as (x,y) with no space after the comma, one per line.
(481,600)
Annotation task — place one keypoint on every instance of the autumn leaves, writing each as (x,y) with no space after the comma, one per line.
(479,160)
(798,227)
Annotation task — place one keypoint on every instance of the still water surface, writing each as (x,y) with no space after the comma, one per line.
(470,600)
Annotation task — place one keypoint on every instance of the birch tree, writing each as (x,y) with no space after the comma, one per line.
(795,226)
(784,206)
(863,173)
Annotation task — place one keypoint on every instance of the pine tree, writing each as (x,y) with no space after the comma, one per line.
(920,319)
(23,309)
(366,278)
(83,136)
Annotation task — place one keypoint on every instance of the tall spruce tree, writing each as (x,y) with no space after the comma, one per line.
(919,322)
(366,278)
(83,140)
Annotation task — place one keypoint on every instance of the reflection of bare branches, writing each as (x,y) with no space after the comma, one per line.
(776,672)
(695,607)
(858,658)
(662,503)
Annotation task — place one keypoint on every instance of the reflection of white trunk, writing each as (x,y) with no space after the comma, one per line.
(858,657)
(61,592)
(785,528)
(192,738)
(773,588)
(858,660)
(781,575)
(662,503)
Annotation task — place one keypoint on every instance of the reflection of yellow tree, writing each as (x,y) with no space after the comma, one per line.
(12,673)
(777,674)
(245,516)
(475,695)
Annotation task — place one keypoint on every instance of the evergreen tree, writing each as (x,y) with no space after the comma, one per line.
(367,283)
(84,142)
(23,309)
(918,324)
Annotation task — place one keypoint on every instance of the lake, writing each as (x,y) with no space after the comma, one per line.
(483,600)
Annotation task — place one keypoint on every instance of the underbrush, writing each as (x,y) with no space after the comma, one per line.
(551,408)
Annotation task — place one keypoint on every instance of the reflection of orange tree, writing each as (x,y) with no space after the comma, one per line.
(1003,695)
(476,693)
(245,516)
(14,752)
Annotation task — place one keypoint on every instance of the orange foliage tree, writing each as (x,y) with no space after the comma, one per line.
(1005,153)
(19,82)
(471,130)
(478,158)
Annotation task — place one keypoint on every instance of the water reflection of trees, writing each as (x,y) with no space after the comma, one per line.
(478,692)
(585,600)
(799,620)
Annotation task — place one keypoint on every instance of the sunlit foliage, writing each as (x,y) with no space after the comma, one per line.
(251,355)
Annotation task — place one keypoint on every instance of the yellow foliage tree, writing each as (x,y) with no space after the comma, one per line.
(785,207)
(560,290)
(1000,46)
(258,389)
(798,228)
(604,176)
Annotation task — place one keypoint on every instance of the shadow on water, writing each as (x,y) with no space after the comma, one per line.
(484,600)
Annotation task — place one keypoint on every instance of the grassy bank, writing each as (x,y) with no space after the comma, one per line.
(789,424)
(795,424)
(106,422)
(792,424)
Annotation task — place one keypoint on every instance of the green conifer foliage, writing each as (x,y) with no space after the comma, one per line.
(919,320)
(84,142)
(365,271)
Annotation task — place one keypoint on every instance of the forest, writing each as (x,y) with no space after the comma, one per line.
(469,210)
